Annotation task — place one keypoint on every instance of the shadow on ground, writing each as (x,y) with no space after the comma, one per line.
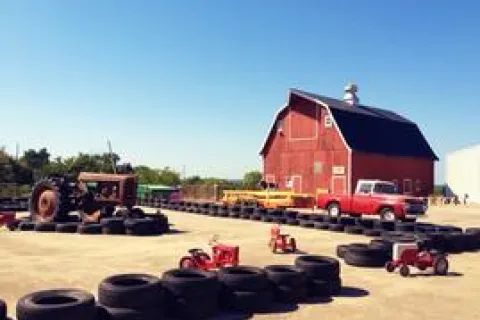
(352,292)
(431,274)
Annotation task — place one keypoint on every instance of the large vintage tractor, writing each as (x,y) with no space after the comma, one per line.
(92,195)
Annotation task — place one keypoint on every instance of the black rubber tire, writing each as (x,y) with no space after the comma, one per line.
(336,227)
(107,313)
(12,226)
(455,242)
(405,226)
(90,228)
(267,219)
(365,223)
(290,294)
(304,216)
(341,250)
(45,227)
(318,218)
(191,293)
(131,291)
(255,217)
(248,301)
(26,226)
(321,225)
(319,288)
(286,275)
(365,256)
(318,267)
(279,219)
(112,225)
(71,304)
(293,222)
(243,278)
(234,214)
(372,232)
(290,214)
(140,227)
(352,229)
(347,221)
(190,282)
(386,225)
(68,227)
(306,223)
(3,309)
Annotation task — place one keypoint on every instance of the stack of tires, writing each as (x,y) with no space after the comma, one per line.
(245,289)
(246,212)
(289,283)
(278,216)
(191,293)
(323,275)
(57,304)
(258,213)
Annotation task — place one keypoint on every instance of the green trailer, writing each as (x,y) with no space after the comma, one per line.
(158,191)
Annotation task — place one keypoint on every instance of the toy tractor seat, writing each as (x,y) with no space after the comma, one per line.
(195,251)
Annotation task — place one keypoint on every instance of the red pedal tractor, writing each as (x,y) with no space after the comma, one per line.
(281,241)
(409,254)
(223,255)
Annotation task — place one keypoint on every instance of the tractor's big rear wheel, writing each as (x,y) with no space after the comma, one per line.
(44,201)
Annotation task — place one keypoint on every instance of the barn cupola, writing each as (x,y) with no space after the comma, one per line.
(350,96)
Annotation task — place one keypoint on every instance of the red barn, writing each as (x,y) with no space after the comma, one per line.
(317,142)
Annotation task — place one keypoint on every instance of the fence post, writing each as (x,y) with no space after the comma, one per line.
(215,192)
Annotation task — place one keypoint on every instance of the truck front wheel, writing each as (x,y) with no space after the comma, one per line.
(334,209)
(387,214)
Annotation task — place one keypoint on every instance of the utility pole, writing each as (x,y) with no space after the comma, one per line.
(111,156)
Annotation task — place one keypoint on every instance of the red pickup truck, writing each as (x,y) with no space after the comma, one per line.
(373,197)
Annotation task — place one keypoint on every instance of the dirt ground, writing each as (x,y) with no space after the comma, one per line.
(34,261)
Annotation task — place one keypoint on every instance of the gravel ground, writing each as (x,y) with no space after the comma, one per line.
(33,261)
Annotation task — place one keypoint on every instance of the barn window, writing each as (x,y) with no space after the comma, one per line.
(280,127)
(418,185)
(327,121)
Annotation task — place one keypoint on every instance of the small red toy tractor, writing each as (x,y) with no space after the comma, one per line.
(409,254)
(223,255)
(281,241)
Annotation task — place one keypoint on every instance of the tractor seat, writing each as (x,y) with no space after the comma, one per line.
(283,235)
(195,251)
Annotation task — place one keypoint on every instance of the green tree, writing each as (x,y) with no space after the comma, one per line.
(36,160)
(169,177)
(251,179)
(147,175)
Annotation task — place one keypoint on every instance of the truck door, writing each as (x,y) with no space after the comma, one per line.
(362,198)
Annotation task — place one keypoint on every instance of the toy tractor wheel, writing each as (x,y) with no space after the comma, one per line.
(187,263)
(274,246)
(293,245)
(440,265)
(389,266)
(404,270)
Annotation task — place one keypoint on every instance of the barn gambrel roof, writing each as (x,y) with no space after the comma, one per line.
(368,129)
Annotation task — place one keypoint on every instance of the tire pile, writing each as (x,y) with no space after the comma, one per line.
(187,293)
(379,251)
(148,226)
(442,237)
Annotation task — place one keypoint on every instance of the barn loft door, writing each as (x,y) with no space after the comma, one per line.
(339,185)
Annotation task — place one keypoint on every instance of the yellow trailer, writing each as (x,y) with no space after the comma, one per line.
(272,199)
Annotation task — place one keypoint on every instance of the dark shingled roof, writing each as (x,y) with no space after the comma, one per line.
(375,130)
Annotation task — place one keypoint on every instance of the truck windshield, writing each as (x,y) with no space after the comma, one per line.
(385,188)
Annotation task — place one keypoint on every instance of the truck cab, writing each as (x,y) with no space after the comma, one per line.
(373,197)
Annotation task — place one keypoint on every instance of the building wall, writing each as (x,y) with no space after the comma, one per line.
(306,150)
(462,173)
(420,172)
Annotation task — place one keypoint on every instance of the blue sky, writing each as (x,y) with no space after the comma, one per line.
(196,83)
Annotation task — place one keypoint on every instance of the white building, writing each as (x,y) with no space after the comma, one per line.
(462,173)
